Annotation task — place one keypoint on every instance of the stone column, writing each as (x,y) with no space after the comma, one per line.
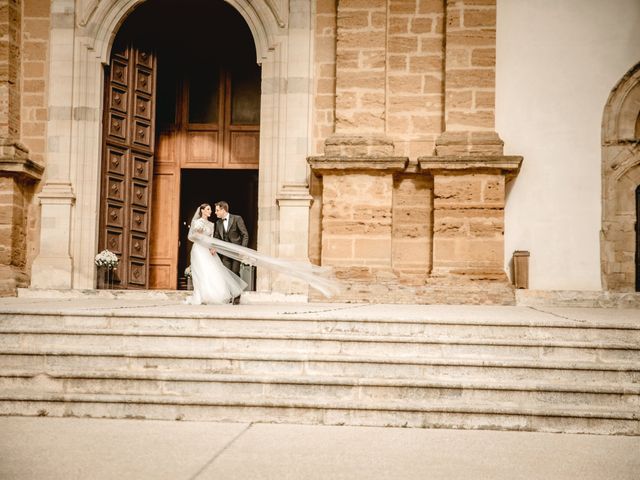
(469,170)
(17,171)
(469,79)
(53,267)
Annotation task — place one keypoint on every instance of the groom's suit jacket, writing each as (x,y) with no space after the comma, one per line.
(236,231)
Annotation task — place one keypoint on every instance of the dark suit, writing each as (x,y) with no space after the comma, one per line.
(236,233)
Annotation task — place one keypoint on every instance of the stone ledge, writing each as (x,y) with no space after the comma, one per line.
(577,298)
(179,295)
(14,161)
(374,164)
(507,164)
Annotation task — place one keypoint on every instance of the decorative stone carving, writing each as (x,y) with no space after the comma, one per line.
(620,179)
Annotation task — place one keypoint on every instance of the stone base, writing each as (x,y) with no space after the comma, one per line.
(432,293)
(383,285)
(11,279)
(577,298)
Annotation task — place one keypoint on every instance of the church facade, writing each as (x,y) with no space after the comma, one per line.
(411,145)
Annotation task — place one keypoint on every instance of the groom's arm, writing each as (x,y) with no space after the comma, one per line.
(243,231)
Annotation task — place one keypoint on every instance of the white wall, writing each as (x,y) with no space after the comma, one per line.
(557,62)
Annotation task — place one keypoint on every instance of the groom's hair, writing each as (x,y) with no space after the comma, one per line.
(223,205)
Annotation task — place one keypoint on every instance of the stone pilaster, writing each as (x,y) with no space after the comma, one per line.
(469,80)
(53,267)
(293,203)
(468,215)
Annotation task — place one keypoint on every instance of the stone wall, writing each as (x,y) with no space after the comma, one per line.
(35,47)
(413,178)
(412,227)
(20,168)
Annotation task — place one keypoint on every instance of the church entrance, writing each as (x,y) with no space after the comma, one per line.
(195,101)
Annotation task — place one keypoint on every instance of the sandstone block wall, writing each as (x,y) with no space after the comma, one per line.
(412,227)
(469,224)
(22,133)
(34,100)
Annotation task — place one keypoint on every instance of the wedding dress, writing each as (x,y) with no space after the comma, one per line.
(212,281)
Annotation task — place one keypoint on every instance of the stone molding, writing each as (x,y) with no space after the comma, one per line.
(294,195)
(620,179)
(322,165)
(508,165)
(99,19)
(15,161)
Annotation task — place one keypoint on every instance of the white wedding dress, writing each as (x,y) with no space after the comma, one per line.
(213,283)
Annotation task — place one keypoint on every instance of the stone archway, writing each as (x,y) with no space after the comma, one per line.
(81,38)
(620,179)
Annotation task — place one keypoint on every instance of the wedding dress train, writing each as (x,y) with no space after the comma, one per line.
(214,283)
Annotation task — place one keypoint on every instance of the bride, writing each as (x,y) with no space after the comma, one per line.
(212,281)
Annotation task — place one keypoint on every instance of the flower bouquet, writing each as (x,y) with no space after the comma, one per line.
(106,259)
(107,262)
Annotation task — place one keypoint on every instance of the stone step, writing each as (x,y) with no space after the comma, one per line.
(65,359)
(244,387)
(395,346)
(531,415)
(552,328)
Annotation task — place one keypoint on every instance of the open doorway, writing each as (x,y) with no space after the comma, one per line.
(239,188)
(181,127)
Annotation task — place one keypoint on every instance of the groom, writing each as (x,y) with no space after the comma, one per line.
(230,228)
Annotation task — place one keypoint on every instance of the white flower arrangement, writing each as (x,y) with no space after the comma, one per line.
(106,259)
(187,272)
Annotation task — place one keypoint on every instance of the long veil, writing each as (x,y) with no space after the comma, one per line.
(317,277)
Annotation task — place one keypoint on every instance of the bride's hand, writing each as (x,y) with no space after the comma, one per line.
(213,251)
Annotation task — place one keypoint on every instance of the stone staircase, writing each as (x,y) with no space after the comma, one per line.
(504,368)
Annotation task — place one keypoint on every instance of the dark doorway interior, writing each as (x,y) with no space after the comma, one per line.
(638,239)
(239,188)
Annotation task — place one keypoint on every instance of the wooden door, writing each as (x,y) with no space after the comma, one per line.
(127,161)
(208,118)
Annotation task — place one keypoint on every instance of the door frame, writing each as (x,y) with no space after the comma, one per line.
(80,44)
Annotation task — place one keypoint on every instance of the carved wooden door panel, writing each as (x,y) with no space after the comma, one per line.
(127,162)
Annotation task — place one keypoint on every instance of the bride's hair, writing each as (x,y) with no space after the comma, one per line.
(202,207)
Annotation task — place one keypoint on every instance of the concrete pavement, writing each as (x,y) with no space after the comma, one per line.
(76,448)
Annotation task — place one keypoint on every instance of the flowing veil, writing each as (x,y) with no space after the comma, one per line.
(317,277)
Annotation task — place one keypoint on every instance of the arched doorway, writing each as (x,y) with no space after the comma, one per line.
(620,243)
(182,119)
